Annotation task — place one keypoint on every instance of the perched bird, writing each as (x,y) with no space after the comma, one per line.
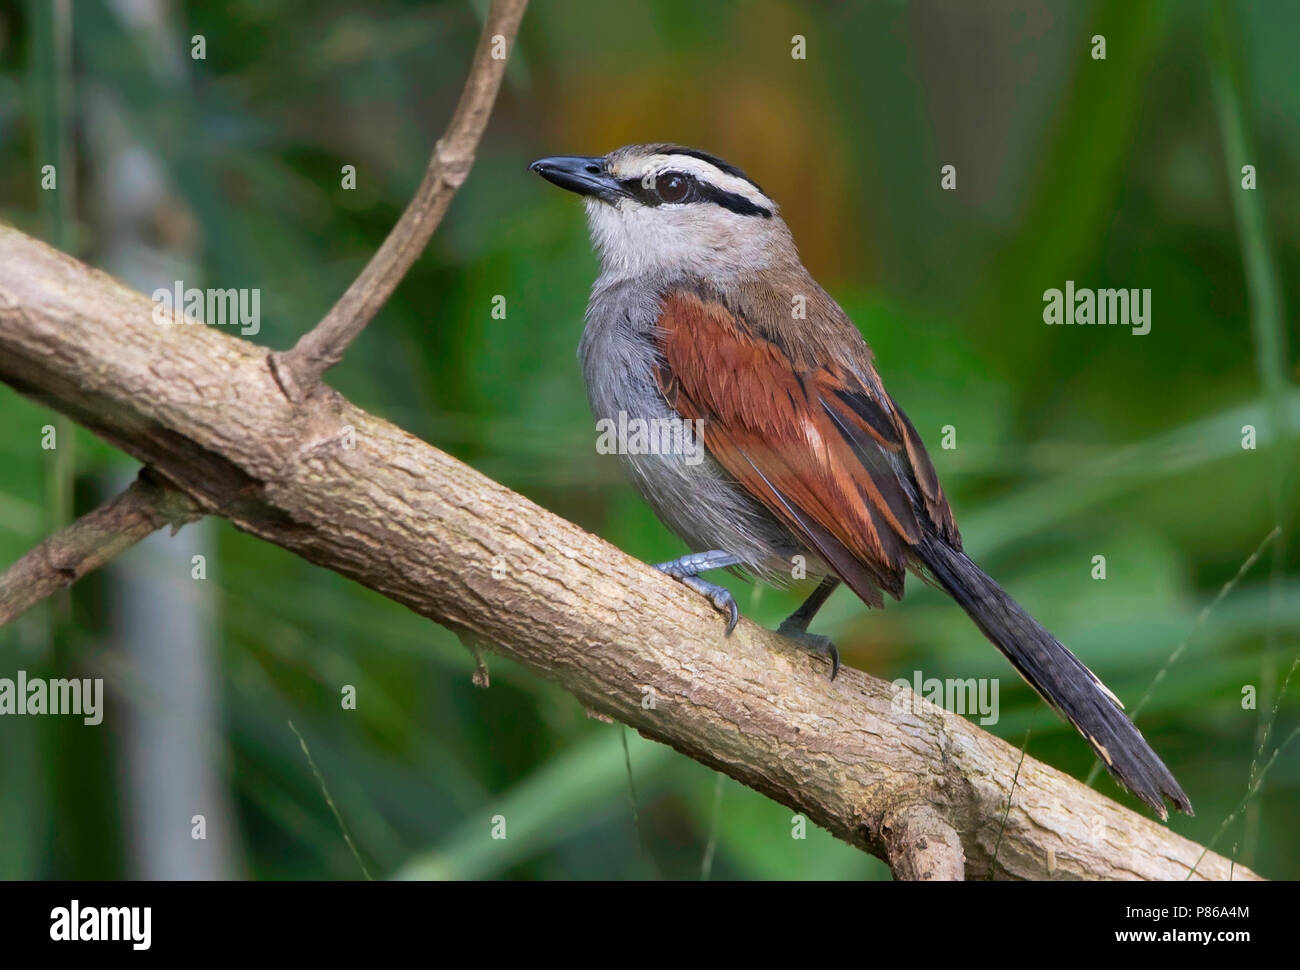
(703,315)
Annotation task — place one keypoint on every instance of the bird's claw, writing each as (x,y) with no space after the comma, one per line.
(719,596)
(815,642)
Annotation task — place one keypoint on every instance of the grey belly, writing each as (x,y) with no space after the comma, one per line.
(689,491)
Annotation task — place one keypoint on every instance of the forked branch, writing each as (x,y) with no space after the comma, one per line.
(263,443)
(355,494)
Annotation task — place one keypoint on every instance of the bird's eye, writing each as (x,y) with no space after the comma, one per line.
(673,186)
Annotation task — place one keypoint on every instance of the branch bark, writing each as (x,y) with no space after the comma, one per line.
(921,845)
(353,493)
(95,538)
(148,505)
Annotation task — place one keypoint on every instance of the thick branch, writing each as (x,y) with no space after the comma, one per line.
(353,493)
(299,370)
(95,538)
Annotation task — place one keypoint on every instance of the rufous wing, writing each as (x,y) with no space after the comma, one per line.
(827,453)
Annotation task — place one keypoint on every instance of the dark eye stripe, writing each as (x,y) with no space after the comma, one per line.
(713,160)
(730,200)
(700,192)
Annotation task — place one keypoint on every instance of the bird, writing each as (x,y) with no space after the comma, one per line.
(703,317)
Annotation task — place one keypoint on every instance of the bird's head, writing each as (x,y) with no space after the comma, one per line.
(668,209)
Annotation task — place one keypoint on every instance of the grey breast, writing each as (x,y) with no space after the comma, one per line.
(695,498)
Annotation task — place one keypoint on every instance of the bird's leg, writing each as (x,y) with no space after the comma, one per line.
(796,624)
(687,571)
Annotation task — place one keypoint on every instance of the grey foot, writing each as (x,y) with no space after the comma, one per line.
(685,570)
(818,644)
(719,596)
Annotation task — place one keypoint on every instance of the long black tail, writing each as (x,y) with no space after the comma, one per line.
(1058,676)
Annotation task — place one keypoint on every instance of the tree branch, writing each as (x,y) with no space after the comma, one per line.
(113,529)
(921,845)
(95,538)
(353,493)
(299,370)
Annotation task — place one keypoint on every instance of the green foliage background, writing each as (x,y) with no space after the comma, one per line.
(1071,442)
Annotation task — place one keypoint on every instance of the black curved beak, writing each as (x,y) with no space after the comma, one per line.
(584,174)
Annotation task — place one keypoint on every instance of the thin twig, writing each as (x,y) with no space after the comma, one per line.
(1263,742)
(1178,651)
(329,800)
(299,370)
(95,538)
(1228,81)
(706,864)
(636,810)
(1257,781)
(1002,826)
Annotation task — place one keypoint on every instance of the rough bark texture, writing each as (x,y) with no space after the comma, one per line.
(91,541)
(355,494)
(922,846)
